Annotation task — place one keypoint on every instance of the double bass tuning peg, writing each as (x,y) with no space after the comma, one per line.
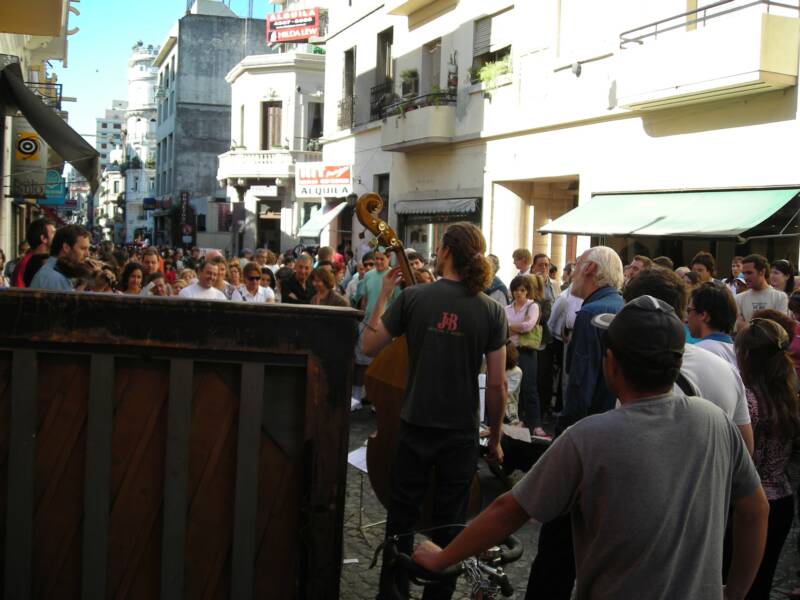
(373,243)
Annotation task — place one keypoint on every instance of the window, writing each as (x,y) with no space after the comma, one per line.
(431,75)
(224,216)
(491,42)
(116,187)
(104,125)
(240,141)
(201,222)
(117,126)
(314,125)
(135,187)
(347,103)
(152,184)
(271,125)
(104,146)
(384,70)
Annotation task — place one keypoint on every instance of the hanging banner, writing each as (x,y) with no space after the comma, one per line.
(54,189)
(313,180)
(292,25)
(29,162)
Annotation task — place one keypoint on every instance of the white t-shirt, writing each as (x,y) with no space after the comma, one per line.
(724,350)
(750,301)
(263,295)
(717,381)
(197,292)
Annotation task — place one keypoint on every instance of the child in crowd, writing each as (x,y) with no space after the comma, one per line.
(513,380)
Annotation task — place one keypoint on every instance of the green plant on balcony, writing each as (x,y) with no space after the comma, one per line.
(410,82)
(490,73)
(150,164)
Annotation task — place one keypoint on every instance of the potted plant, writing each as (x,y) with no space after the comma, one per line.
(410,82)
(491,71)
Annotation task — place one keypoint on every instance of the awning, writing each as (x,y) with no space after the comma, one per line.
(700,214)
(435,207)
(53,129)
(319,220)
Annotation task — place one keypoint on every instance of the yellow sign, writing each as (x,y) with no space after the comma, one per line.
(28,146)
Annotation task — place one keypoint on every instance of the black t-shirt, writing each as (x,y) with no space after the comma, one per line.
(292,286)
(448,333)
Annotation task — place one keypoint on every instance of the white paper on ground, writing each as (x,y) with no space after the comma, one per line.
(518,433)
(358,458)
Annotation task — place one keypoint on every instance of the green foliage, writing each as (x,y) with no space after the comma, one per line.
(490,72)
(407,74)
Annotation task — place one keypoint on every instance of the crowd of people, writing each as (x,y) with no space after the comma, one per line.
(670,394)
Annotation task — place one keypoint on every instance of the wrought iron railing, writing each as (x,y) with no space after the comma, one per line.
(380,95)
(347,106)
(49,93)
(407,104)
(700,15)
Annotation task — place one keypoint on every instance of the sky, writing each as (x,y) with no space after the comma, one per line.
(97,58)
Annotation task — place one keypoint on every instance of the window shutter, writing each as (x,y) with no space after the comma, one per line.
(482,36)
(501,30)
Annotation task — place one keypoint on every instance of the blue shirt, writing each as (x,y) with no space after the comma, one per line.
(586,392)
(47,278)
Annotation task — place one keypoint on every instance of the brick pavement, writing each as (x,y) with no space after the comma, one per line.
(358,582)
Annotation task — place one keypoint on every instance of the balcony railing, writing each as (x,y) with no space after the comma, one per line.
(49,93)
(262,163)
(700,15)
(347,107)
(380,96)
(407,104)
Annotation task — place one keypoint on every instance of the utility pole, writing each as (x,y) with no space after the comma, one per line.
(250,10)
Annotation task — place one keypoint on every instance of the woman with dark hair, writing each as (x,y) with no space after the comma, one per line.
(323,281)
(781,276)
(131,280)
(523,316)
(768,376)
(155,284)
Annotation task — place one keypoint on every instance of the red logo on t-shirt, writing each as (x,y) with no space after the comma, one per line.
(449,321)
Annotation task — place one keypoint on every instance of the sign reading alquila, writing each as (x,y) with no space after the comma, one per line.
(313,180)
(292,25)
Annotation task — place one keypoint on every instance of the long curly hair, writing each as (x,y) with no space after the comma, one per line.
(467,249)
(767,370)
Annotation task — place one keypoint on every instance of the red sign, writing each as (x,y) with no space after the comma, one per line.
(292,25)
(313,180)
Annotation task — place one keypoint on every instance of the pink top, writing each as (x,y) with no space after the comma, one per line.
(525,319)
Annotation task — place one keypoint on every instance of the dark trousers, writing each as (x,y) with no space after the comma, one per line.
(529,408)
(558,364)
(552,574)
(781,513)
(453,455)
(545,377)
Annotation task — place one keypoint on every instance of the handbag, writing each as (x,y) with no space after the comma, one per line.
(531,340)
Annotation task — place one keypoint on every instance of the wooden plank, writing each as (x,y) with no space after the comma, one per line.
(21,454)
(176,473)
(246,499)
(97,498)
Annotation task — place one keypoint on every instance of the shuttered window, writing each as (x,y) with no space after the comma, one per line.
(493,33)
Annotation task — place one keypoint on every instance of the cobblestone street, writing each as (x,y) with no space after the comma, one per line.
(359,582)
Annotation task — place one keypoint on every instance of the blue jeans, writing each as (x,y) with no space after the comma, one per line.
(529,409)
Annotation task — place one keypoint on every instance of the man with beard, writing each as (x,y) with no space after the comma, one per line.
(39,237)
(71,244)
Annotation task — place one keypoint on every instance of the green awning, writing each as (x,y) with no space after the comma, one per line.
(702,214)
(319,221)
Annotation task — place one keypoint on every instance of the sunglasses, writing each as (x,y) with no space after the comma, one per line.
(369,264)
(254,278)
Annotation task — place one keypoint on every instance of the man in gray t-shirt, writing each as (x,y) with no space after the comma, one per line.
(647,486)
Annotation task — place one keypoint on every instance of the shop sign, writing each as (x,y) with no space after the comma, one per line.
(313,180)
(54,189)
(292,25)
(29,164)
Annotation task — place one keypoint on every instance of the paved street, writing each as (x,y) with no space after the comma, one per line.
(359,582)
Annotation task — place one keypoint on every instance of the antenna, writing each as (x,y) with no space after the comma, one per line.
(250,10)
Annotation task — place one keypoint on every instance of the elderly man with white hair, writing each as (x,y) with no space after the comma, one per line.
(597,279)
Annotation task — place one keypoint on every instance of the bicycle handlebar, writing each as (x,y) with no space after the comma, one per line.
(421,574)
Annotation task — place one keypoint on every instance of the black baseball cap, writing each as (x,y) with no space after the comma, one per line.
(646,330)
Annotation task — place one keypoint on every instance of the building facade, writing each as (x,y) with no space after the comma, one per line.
(513,114)
(193,123)
(108,131)
(139,136)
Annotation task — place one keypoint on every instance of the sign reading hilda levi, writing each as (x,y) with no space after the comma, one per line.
(313,180)
(292,25)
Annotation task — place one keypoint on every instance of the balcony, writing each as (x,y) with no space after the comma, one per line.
(49,93)
(404,8)
(419,122)
(347,113)
(380,96)
(724,50)
(262,164)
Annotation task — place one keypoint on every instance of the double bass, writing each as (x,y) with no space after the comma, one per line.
(385,378)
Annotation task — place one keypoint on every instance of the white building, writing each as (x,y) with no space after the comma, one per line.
(140,141)
(276,122)
(108,131)
(511,114)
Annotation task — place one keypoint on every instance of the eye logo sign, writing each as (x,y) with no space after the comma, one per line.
(28,146)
